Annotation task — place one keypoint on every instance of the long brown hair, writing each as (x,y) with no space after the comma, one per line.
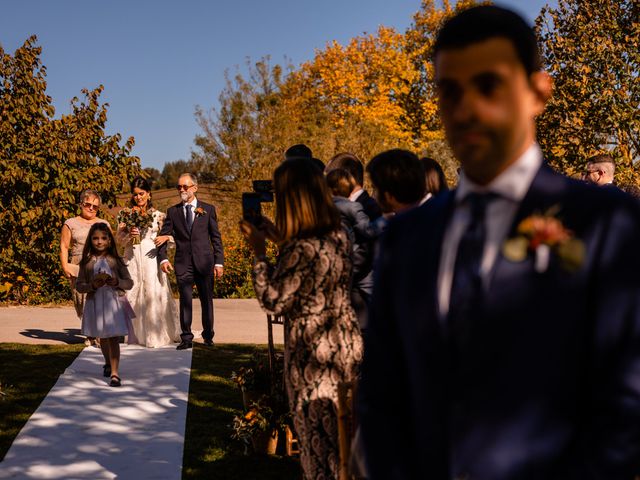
(112,251)
(304,207)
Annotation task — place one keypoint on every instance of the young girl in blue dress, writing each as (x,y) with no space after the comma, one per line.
(104,277)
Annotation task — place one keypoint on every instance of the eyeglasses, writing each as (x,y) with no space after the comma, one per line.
(90,206)
(184,187)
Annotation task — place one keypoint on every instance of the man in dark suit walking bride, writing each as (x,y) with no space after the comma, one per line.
(199,256)
(504,335)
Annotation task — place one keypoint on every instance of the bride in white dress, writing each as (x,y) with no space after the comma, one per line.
(157,320)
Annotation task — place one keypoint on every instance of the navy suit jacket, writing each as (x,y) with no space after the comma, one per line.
(200,246)
(548,384)
(369,205)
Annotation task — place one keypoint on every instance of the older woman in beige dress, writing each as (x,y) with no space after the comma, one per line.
(72,240)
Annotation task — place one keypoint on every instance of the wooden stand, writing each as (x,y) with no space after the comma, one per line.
(291,442)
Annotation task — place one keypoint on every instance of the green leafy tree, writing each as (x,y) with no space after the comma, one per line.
(44,163)
(592,50)
(154,176)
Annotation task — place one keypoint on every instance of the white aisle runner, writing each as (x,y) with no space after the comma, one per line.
(86,429)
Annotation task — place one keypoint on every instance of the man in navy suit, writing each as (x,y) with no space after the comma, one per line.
(504,335)
(199,256)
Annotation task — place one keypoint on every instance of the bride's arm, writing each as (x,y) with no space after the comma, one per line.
(161,239)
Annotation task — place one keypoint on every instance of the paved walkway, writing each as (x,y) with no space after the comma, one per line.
(236,321)
(86,429)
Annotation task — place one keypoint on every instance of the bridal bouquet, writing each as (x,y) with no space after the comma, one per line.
(135,217)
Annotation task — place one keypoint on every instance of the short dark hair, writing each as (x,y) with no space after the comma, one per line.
(399,173)
(341,183)
(484,22)
(602,158)
(299,150)
(350,163)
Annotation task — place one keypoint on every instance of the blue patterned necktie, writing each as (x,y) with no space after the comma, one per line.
(466,288)
(188,215)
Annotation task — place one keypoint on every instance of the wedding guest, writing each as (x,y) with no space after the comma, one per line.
(353,165)
(398,180)
(309,285)
(434,177)
(72,238)
(104,277)
(157,320)
(302,151)
(600,170)
(504,335)
(363,283)
(356,223)
(299,150)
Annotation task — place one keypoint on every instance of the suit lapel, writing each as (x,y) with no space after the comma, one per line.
(442,206)
(182,221)
(545,192)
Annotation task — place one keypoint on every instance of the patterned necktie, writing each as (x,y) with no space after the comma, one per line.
(466,288)
(188,215)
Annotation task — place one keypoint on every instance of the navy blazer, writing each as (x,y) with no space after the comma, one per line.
(202,245)
(369,205)
(548,383)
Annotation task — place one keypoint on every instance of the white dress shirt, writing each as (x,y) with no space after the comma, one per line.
(511,186)
(194,205)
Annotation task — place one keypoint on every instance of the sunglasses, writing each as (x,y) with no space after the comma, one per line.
(184,187)
(91,206)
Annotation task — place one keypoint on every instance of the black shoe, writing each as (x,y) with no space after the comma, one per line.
(106,371)
(184,345)
(115,381)
(208,343)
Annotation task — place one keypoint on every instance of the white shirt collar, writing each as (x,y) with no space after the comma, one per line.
(354,196)
(193,203)
(511,184)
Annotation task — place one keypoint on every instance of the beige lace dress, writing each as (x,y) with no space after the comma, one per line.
(310,286)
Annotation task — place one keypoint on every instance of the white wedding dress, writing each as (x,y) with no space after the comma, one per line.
(157,321)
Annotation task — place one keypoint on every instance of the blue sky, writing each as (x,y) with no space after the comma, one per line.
(159,59)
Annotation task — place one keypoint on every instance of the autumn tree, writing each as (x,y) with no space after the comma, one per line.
(44,163)
(592,50)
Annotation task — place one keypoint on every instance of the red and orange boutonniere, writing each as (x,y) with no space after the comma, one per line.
(200,211)
(543,234)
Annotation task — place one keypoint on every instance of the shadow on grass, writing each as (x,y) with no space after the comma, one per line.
(27,373)
(214,399)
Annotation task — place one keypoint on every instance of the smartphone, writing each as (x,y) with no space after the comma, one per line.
(251,208)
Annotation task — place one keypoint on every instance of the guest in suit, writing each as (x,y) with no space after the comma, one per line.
(363,283)
(356,223)
(398,180)
(504,335)
(199,256)
(353,165)
(600,170)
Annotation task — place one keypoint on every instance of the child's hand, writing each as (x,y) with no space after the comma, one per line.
(112,281)
(97,283)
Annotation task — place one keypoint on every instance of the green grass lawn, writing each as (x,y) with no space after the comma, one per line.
(27,373)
